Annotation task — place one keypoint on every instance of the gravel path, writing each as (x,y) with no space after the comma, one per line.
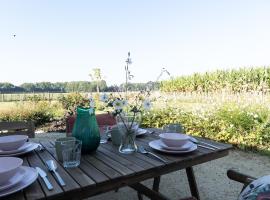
(211,177)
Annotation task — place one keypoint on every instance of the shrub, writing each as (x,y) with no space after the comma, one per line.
(71,101)
(40,112)
(247,127)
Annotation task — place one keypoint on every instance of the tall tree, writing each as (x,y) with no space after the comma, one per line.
(96,77)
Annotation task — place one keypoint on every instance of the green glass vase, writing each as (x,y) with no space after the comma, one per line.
(86,129)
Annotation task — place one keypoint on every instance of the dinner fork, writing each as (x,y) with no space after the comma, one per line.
(199,143)
(142,150)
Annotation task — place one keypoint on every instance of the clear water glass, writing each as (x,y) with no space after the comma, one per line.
(71,152)
(173,128)
(104,134)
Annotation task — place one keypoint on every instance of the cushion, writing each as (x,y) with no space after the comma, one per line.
(257,190)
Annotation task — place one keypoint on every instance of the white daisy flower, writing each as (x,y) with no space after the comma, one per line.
(125,102)
(104,97)
(91,99)
(118,104)
(147,104)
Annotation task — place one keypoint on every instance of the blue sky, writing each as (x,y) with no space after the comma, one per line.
(63,40)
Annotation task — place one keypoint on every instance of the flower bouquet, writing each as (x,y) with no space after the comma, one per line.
(128,116)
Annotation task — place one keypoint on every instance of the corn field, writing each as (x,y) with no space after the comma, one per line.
(236,81)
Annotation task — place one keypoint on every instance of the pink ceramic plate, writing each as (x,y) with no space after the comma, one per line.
(8,167)
(32,147)
(22,148)
(18,176)
(30,177)
(12,142)
(141,131)
(156,144)
(184,147)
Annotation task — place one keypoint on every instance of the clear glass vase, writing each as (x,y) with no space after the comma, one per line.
(128,125)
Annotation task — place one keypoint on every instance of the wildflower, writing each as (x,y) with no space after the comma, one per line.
(104,97)
(91,99)
(147,104)
(118,104)
(125,103)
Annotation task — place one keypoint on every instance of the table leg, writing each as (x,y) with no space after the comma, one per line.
(140,196)
(148,192)
(156,183)
(192,182)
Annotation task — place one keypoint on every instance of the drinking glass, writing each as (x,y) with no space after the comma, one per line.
(104,134)
(71,153)
(173,128)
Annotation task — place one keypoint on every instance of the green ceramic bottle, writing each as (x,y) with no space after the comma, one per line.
(86,129)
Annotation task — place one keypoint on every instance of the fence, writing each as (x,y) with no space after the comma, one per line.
(27,96)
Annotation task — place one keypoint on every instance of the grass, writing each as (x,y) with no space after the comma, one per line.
(242,119)
(4,106)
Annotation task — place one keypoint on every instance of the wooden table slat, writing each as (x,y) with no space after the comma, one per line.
(114,164)
(131,165)
(138,161)
(93,172)
(34,191)
(107,170)
(18,196)
(34,161)
(76,173)
(71,183)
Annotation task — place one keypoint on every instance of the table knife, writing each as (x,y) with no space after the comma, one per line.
(43,175)
(206,147)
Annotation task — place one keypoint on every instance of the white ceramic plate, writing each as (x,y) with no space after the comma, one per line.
(32,147)
(30,176)
(22,148)
(141,131)
(184,147)
(156,144)
(18,176)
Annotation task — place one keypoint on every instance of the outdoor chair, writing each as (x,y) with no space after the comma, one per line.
(102,120)
(239,177)
(254,188)
(18,128)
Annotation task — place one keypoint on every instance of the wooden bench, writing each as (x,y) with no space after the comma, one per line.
(18,128)
(102,120)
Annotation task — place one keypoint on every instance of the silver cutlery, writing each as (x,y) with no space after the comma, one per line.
(143,151)
(105,136)
(40,147)
(194,140)
(43,175)
(206,147)
(52,166)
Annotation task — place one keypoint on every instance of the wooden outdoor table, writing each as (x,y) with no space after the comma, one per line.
(107,169)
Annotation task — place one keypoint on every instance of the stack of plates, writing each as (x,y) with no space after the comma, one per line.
(25,148)
(14,176)
(160,146)
(141,131)
(15,145)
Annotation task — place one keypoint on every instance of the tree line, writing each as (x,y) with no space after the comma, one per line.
(73,86)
